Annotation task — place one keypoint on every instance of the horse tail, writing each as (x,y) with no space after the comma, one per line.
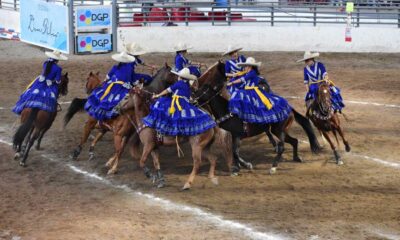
(306,125)
(21,132)
(77,105)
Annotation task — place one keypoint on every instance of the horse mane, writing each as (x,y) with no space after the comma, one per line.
(63,87)
(159,82)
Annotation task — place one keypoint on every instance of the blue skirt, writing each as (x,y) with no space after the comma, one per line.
(38,95)
(233,88)
(101,106)
(195,71)
(190,121)
(336,97)
(247,105)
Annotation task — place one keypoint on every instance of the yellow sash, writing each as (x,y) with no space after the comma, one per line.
(239,74)
(175,99)
(109,89)
(263,98)
(30,84)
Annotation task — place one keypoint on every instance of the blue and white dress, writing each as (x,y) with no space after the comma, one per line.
(176,116)
(253,105)
(140,76)
(42,93)
(315,73)
(100,104)
(181,62)
(232,67)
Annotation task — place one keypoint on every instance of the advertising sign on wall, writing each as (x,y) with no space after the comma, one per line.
(93,17)
(93,43)
(44,24)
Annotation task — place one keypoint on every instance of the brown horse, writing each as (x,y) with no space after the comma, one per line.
(139,100)
(34,124)
(212,89)
(326,120)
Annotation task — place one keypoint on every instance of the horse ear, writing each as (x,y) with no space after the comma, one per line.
(66,74)
(166,65)
(98,73)
(91,73)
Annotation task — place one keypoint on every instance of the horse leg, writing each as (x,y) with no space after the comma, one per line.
(213,163)
(21,148)
(34,136)
(196,155)
(47,127)
(341,133)
(294,143)
(89,125)
(333,147)
(158,179)
(238,161)
(277,129)
(119,144)
(94,142)
(147,149)
(271,139)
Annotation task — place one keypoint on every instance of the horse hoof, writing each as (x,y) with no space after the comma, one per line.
(91,156)
(17,156)
(339,162)
(272,170)
(161,184)
(297,159)
(215,181)
(22,164)
(111,171)
(186,187)
(249,166)
(348,148)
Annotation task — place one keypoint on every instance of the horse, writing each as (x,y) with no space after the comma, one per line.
(78,104)
(139,100)
(213,93)
(327,120)
(34,124)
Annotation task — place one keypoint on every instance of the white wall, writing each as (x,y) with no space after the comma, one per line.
(9,20)
(264,38)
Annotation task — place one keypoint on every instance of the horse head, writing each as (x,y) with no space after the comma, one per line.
(63,87)
(92,81)
(162,79)
(324,97)
(211,82)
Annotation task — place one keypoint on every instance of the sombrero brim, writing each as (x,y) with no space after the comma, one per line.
(231,51)
(138,53)
(257,64)
(61,57)
(189,77)
(125,59)
(314,55)
(182,49)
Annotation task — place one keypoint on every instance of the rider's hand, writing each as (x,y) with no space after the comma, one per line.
(155,96)
(229,84)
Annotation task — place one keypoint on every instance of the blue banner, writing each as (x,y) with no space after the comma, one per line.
(94,43)
(93,17)
(44,24)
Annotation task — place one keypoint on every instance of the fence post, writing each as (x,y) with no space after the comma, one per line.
(15,4)
(229,13)
(186,16)
(272,16)
(358,17)
(71,26)
(114,25)
(315,16)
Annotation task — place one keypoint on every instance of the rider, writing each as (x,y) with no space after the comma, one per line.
(182,62)
(100,104)
(42,92)
(136,50)
(232,70)
(315,73)
(175,115)
(251,103)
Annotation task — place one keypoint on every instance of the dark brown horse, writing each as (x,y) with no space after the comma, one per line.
(213,93)
(34,124)
(327,120)
(140,100)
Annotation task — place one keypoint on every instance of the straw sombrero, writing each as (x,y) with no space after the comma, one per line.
(231,49)
(250,62)
(185,73)
(57,55)
(181,47)
(123,57)
(308,55)
(134,49)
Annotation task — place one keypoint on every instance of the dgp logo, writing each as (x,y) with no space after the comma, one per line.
(86,44)
(97,17)
(86,17)
(94,43)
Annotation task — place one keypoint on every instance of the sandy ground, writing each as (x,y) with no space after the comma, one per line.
(313,200)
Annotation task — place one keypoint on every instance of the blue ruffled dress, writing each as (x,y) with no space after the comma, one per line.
(312,75)
(141,76)
(180,119)
(42,93)
(101,103)
(231,66)
(181,62)
(247,104)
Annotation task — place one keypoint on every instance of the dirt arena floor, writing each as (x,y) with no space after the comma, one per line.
(52,199)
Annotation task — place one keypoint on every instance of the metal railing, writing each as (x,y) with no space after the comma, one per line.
(272,13)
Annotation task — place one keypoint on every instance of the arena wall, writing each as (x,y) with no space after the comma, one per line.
(263,38)
(9,23)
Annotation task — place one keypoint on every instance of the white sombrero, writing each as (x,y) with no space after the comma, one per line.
(57,55)
(134,49)
(123,57)
(185,73)
(308,55)
(250,62)
(231,49)
(181,47)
